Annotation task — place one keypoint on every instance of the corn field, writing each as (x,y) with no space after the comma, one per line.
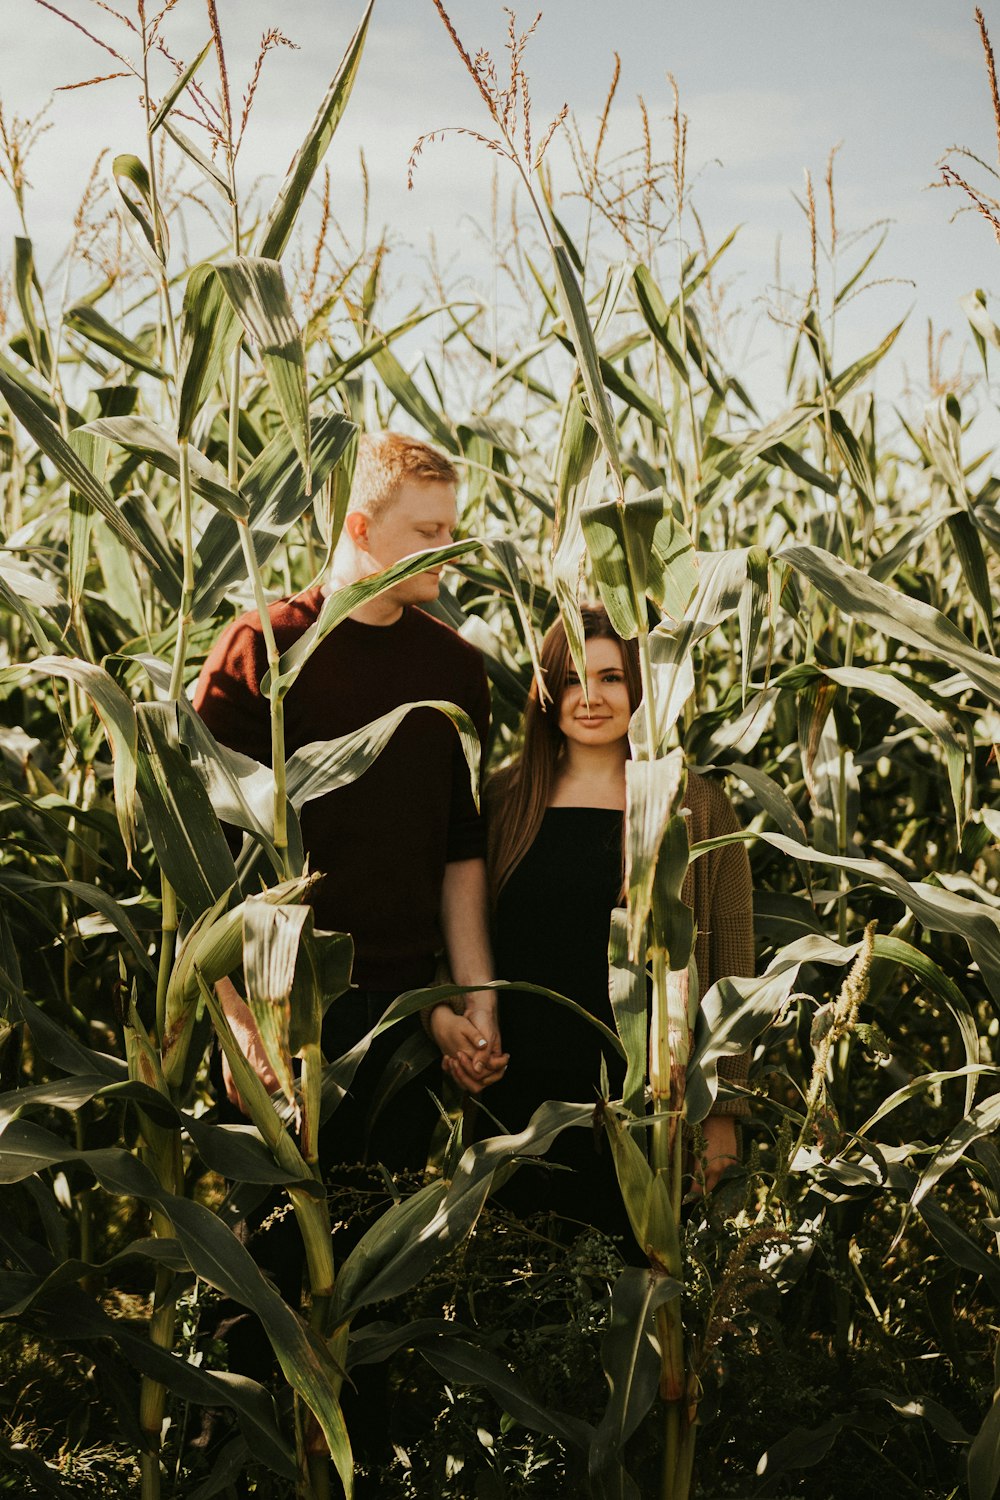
(812,597)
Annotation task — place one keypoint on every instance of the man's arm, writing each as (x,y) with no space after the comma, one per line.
(463,924)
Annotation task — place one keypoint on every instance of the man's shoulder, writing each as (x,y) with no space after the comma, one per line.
(444,640)
(289,616)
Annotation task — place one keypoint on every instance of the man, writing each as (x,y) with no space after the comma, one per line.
(402,848)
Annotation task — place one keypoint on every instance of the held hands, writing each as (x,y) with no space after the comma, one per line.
(470,1044)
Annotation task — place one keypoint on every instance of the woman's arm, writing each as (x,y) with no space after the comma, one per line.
(466,941)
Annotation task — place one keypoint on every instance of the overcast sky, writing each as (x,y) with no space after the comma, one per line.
(768,87)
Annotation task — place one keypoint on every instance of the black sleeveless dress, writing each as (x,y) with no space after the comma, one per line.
(551,928)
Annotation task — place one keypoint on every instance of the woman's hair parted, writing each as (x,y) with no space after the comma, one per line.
(519,793)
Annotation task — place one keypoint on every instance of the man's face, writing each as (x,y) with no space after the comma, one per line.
(422,515)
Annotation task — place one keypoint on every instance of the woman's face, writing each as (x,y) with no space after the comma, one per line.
(606,718)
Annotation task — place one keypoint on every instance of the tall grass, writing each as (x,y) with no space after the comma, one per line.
(812,597)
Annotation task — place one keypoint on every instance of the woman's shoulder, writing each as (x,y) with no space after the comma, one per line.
(712,812)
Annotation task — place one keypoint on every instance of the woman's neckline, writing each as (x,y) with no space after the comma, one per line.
(582,807)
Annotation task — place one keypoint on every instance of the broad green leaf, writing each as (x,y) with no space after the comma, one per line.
(256,289)
(72,468)
(90,324)
(410,1237)
(141,436)
(579,479)
(202,162)
(138,214)
(894,614)
(403,388)
(754,607)
(927,1083)
(462,1362)
(271,938)
(630,1007)
(654,791)
(631,1361)
(213,944)
(68,1312)
(620,542)
(277,227)
(323,765)
(849,378)
(93,452)
(574,310)
(342,602)
(177,88)
(908,699)
(274,490)
(117,716)
(189,843)
(25,289)
(644,1194)
(981,1121)
(939,909)
(209,334)
(893,950)
(216,1256)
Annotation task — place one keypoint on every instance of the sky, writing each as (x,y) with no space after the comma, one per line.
(769,88)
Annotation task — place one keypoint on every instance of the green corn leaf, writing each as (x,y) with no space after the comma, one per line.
(654,791)
(72,468)
(853,457)
(574,311)
(277,227)
(644,1194)
(256,289)
(630,1007)
(910,701)
(271,938)
(894,614)
(342,602)
(631,1362)
(217,1257)
(209,333)
(403,388)
(754,607)
(177,88)
(142,437)
(463,1362)
(854,374)
(273,489)
(189,843)
(93,453)
(620,542)
(26,289)
(117,716)
(892,950)
(411,1236)
(202,162)
(982,1121)
(138,214)
(85,320)
(578,478)
(969,547)
(324,765)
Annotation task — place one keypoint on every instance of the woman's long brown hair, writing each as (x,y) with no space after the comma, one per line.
(519,794)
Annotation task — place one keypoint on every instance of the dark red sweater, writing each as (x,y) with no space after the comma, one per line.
(383,840)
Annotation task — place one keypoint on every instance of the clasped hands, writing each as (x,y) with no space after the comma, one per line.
(471,1051)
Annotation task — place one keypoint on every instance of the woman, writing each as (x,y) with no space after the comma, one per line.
(556,867)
